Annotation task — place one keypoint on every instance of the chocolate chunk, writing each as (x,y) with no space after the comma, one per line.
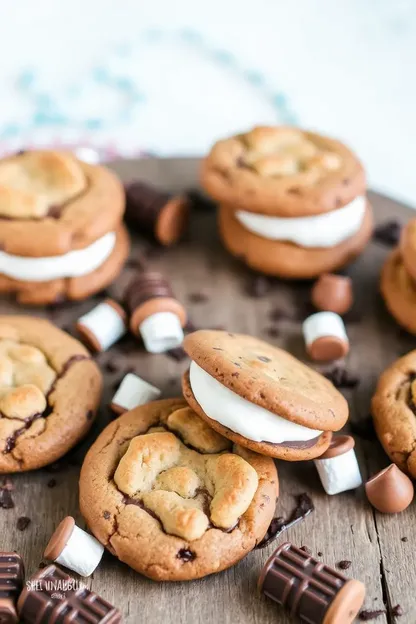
(44,599)
(366,615)
(404,539)
(186,555)
(388,233)
(258,286)
(22,523)
(341,378)
(306,549)
(278,525)
(344,565)
(51,483)
(6,500)
(320,554)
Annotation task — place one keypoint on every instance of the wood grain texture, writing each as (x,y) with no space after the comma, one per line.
(343,527)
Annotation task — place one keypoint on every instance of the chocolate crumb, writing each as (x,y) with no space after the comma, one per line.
(106,515)
(197,297)
(397,611)
(404,539)
(344,565)
(6,499)
(366,616)
(341,378)
(258,287)
(388,233)
(304,507)
(272,332)
(177,354)
(320,554)
(51,483)
(306,549)
(186,555)
(42,565)
(22,523)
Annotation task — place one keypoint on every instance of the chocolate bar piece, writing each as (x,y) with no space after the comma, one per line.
(309,590)
(53,597)
(12,575)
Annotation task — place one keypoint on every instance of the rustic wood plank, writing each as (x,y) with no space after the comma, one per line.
(343,527)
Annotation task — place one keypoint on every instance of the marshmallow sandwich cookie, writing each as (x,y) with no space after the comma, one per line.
(62,234)
(260,396)
(185,501)
(292,203)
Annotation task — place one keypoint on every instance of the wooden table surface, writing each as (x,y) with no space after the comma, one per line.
(344,527)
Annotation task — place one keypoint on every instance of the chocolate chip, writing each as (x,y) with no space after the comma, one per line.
(304,507)
(22,523)
(388,233)
(42,565)
(197,297)
(366,616)
(344,565)
(51,483)
(106,515)
(177,354)
(341,378)
(397,611)
(235,374)
(320,554)
(6,500)
(263,358)
(258,286)
(404,539)
(186,555)
(306,549)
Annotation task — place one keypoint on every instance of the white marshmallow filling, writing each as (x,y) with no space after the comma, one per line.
(241,416)
(72,264)
(324,230)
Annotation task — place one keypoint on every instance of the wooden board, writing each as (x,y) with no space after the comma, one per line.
(343,527)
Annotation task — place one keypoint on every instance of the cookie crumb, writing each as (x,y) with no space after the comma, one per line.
(186,555)
(366,616)
(51,483)
(388,233)
(22,523)
(344,565)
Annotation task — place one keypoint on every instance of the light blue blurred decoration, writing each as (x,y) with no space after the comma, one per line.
(47,111)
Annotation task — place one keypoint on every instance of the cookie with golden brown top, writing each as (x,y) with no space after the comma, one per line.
(61,221)
(260,396)
(287,259)
(49,393)
(171,497)
(394,408)
(282,171)
(399,291)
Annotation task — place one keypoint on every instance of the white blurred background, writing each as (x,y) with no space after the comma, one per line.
(170,77)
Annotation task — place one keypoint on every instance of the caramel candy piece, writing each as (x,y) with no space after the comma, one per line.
(11,583)
(333,293)
(308,589)
(156,213)
(390,491)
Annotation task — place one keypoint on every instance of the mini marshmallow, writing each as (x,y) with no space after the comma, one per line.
(161,332)
(132,392)
(338,467)
(87,155)
(74,548)
(103,326)
(325,336)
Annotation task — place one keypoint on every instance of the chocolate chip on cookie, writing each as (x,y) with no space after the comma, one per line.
(184,501)
(260,396)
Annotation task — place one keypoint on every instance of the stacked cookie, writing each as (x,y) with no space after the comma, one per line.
(292,203)
(398,279)
(61,234)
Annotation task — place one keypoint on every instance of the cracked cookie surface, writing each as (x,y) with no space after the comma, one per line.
(171,497)
(49,393)
(282,171)
(394,412)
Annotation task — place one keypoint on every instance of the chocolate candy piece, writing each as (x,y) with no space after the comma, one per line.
(11,583)
(390,491)
(333,293)
(156,213)
(156,315)
(53,597)
(308,589)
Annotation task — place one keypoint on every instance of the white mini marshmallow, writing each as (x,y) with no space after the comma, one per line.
(161,332)
(339,473)
(82,552)
(87,155)
(323,230)
(132,392)
(106,324)
(323,324)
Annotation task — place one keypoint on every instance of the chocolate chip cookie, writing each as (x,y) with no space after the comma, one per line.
(171,497)
(260,396)
(398,289)
(394,410)
(49,392)
(61,234)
